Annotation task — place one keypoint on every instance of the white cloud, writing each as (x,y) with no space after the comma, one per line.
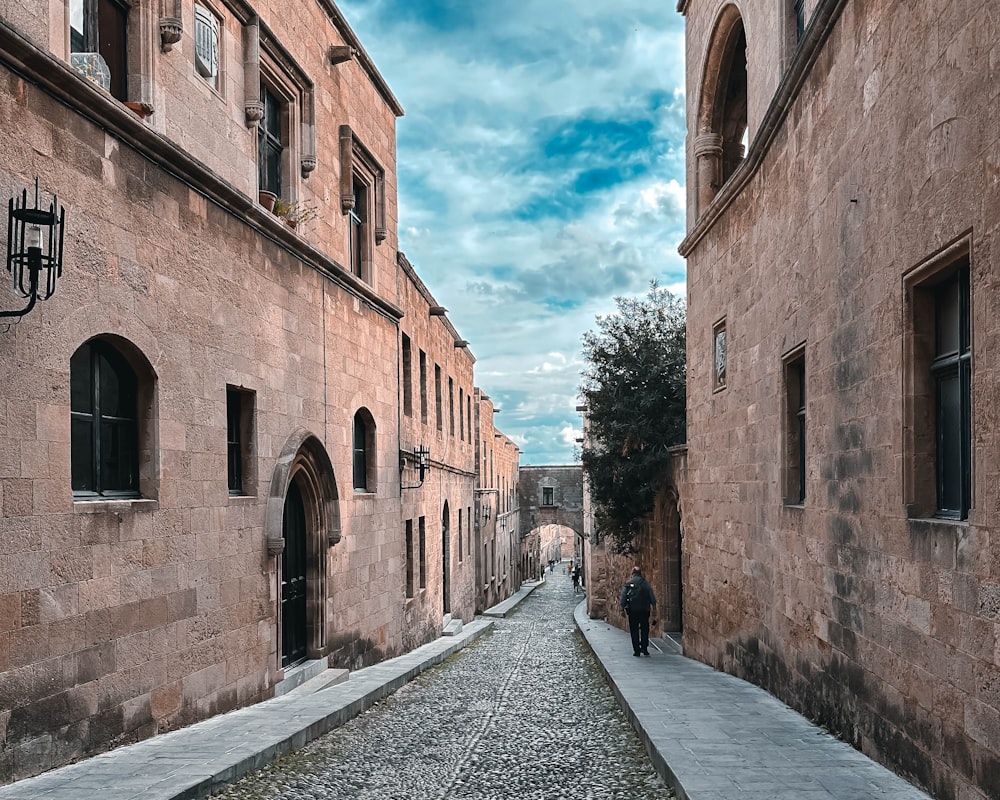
(540,171)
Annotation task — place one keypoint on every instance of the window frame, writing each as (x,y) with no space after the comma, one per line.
(275,140)
(720,360)
(96,16)
(102,355)
(206,17)
(794,429)
(407,366)
(240,472)
(923,464)
(363,461)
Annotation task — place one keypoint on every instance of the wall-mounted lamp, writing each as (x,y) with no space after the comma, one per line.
(421,460)
(34,245)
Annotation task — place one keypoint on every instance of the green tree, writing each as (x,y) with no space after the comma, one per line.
(634,390)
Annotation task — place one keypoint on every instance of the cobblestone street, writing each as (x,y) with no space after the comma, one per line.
(522,713)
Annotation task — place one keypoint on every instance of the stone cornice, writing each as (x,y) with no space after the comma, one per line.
(820,27)
(63,84)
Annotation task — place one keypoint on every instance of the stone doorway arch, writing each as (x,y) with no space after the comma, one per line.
(303,510)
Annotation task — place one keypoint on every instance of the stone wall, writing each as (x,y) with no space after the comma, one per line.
(121,617)
(872,167)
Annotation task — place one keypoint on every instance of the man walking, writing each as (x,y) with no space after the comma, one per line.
(636,601)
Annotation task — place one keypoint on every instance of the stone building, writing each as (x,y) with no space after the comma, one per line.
(211,434)
(551,499)
(498,546)
(438,463)
(841,540)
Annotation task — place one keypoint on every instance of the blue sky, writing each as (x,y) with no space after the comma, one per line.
(541,174)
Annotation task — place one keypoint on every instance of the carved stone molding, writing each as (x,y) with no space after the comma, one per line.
(275,547)
(171,31)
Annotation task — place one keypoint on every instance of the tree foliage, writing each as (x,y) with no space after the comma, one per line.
(634,390)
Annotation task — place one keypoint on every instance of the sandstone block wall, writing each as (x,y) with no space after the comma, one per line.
(855,607)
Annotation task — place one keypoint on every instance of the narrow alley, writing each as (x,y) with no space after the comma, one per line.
(524,712)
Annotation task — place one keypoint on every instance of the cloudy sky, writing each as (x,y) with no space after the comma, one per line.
(541,174)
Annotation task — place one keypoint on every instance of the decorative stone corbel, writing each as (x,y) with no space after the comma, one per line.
(253,105)
(339,53)
(346,169)
(171,31)
(275,547)
(171,25)
(333,537)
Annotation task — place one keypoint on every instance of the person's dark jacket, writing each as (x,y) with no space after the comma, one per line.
(642,598)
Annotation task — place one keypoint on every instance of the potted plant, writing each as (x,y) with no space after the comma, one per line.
(267,199)
(294,213)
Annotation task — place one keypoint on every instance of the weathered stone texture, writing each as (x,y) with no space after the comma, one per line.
(879,625)
(123,617)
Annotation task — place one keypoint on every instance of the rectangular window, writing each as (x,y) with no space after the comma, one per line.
(407,376)
(795,428)
(270,142)
(468,407)
(99,43)
(459,536)
(547,493)
(937,411)
(952,376)
(437,398)
(451,406)
(239,419)
(461,414)
(358,217)
(423,387)
(206,44)
(409,558)
(422,532)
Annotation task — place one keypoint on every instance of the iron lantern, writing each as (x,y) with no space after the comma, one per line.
(34,249)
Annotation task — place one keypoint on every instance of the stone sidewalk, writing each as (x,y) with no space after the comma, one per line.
(710,735)
(715,737)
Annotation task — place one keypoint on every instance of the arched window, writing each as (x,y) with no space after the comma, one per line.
(722,118)
(364,452)
(104,394)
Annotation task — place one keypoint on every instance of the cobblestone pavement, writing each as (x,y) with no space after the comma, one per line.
(522,713)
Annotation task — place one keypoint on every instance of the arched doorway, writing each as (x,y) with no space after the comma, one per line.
(445,560)
(294,560)
(301,522)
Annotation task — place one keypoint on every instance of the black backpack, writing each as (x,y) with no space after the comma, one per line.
(635,598)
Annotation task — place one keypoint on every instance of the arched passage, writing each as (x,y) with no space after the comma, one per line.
(302,521)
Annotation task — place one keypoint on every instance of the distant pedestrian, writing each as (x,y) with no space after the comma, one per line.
(636,601)
(576,580)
